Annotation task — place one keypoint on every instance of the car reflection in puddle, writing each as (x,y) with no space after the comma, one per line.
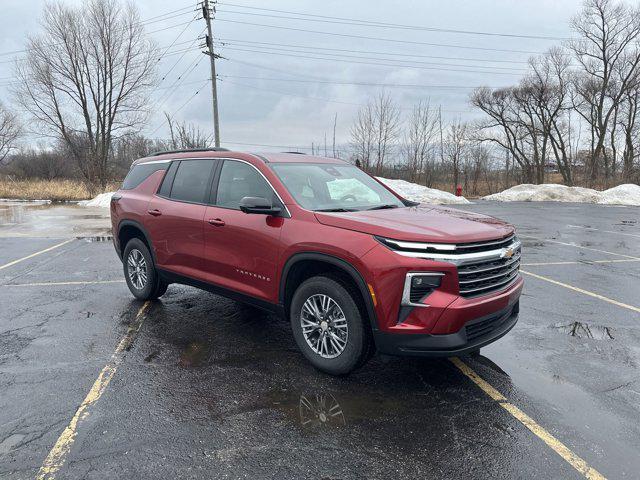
(320,410)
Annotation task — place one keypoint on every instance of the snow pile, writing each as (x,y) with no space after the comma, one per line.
(420,193)
(628,194)
(103,200)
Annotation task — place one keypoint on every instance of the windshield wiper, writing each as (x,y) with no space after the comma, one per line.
(337,209)
(383,207)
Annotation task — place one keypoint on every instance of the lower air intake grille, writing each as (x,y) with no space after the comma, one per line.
(485,327)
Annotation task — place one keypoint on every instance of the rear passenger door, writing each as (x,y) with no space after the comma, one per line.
(241,250)
(175,217)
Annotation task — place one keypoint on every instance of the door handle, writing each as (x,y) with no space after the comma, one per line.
(216,222)
(155,212)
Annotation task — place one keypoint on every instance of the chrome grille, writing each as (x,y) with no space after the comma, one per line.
(484,277)
(483,267)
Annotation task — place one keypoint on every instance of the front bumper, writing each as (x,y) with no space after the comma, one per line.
(474,335)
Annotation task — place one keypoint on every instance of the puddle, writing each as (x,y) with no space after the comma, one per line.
(10,442)
(97,238)
(584,330)
(194,355)
(52,219)
(531,243)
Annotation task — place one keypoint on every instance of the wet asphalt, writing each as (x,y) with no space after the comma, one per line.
(214,389)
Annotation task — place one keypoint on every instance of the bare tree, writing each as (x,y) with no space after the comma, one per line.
(631,130)
(85,79)
(10,131)
(387,131)
(475,165)
(186,135)
(544,95)
(418,140)
(607,53)
(375,132)
(504,126)
(455,145)
(362,137)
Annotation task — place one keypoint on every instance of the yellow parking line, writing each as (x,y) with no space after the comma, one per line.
(49,284)
(579,246)
(58,454)
(556,445)
(584,292)
(35,254)
(584,262)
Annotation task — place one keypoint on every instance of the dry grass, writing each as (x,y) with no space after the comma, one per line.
(56,190)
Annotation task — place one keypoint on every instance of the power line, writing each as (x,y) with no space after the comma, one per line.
(373,23)
(368,84)
(176,39)
(374,63)
(181,107)
(381,39)
(310,47)
(332,56)
(177,83)
(168,13)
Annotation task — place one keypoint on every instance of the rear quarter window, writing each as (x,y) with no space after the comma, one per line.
(139,173)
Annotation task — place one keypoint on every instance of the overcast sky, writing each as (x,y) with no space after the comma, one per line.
(272,93)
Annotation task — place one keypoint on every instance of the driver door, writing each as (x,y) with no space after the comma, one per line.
(241,250)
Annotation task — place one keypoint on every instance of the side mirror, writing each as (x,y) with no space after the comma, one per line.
(258,205)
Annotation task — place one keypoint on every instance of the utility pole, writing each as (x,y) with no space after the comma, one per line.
(212,58)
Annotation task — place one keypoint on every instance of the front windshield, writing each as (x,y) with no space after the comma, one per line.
(330,187)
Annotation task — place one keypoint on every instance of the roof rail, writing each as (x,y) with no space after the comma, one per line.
(296,153)
(188,150)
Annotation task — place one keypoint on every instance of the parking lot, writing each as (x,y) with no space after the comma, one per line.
(94,384)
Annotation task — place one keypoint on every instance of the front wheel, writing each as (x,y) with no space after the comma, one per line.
(140,272)
(328,326)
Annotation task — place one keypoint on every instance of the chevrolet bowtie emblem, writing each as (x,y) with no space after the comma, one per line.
(507,253)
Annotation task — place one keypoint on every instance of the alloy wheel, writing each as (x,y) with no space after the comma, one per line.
(137,269)
(324,326)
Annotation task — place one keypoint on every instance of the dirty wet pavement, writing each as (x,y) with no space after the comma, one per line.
(210,388)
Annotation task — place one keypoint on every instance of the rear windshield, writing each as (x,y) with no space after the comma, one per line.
(139,173)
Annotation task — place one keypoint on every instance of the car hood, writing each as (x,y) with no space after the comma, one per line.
(423,223)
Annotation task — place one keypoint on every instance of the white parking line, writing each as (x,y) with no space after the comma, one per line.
(7,265)
(605,231)
(52,284)
(583,262)
(579,246)
(584,292)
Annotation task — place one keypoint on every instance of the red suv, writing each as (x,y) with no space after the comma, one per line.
(351,264)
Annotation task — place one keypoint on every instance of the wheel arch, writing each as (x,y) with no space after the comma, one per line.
(293,266)
(128,229)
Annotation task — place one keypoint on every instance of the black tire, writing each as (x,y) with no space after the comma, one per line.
(152,287)
(358,346)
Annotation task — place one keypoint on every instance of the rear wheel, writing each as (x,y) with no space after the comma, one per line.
(328,326)
(140,272)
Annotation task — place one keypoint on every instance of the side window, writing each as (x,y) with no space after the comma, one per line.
(165,188)
(239,180)
(139,173)
(191,182)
